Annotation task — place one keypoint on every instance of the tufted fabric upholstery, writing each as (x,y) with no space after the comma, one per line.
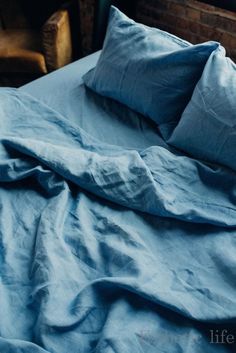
(56,40)
(24,50)
(20,51)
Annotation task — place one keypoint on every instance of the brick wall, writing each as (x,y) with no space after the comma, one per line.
(192,20)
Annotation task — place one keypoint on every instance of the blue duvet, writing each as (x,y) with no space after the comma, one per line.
(105,249)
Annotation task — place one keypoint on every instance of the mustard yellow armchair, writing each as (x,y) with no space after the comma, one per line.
(26,53)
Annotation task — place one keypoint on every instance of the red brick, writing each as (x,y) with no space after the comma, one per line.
(169,19)
(217,36)
(177,9)
(227,24)
(228,40)
(193,14)
(181,33)
(182,23)
(210,19)
(195,27)
(207,31)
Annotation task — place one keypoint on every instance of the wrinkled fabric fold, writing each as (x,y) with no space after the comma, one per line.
(153,181)
(108,249)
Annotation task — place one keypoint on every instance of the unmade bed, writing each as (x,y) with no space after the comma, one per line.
(113,237)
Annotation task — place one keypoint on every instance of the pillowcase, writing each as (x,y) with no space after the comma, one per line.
(207,129)
(149,70)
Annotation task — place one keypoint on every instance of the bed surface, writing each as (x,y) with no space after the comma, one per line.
(106,249)
(103,118)
(109,242)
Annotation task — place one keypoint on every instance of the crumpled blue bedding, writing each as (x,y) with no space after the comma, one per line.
(106,249)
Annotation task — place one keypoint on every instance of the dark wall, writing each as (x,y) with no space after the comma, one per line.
(101,16)
(224,4)
(38,11)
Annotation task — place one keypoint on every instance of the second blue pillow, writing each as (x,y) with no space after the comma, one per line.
(207,128)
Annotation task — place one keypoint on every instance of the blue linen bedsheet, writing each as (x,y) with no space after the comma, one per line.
(107,249)
(103,118)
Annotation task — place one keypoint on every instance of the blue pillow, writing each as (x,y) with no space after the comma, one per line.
(207,128)
(149,70)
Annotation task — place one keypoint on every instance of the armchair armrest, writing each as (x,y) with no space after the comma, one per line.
(56,40)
